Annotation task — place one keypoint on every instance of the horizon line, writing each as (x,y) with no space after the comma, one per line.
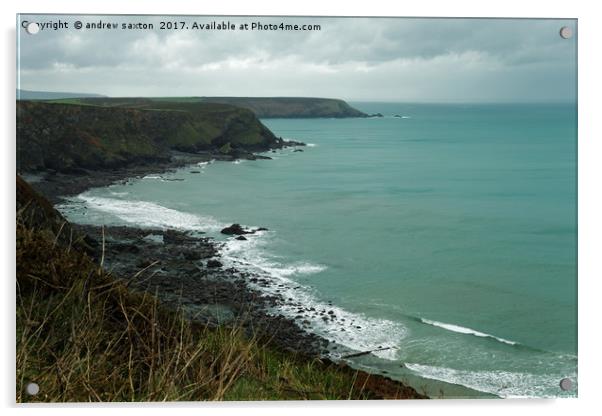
(359,100)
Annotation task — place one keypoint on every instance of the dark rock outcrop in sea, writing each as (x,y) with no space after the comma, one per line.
(237,229)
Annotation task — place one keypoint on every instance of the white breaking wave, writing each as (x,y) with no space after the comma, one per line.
(351,330)
(505,384)
(203,164)
(354,331)
(467,331)
(148,214)
(311,144)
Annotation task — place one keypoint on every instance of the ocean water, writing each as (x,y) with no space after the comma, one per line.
(445,237)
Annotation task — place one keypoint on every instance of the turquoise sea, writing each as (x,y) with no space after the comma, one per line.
(447,235)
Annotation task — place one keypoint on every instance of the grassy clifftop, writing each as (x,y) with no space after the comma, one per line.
(262,107)
(75,133)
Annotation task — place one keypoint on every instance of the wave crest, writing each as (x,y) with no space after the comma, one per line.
(467,331)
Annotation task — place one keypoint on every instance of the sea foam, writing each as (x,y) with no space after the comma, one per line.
(148,214)
(506,384)
(353,331)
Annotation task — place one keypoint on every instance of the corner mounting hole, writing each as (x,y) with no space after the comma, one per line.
(32,28)
(566,32)
(566,384)
(32,389)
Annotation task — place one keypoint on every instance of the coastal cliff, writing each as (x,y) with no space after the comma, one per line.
(262,107)
(66,137)
(130,301)
(290,107)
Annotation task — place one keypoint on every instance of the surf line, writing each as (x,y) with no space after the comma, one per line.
(466,331)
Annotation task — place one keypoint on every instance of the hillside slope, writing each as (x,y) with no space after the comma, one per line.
(66,136)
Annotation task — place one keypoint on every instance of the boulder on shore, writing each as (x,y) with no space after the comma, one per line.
(235,229)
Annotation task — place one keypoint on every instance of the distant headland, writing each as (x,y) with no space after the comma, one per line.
(262,107)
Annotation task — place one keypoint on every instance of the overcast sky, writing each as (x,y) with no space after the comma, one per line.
(357,59)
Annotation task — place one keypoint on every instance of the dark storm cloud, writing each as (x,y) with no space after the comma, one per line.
(352,58)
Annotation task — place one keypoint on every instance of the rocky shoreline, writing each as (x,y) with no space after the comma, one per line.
(184,270)
(56,186)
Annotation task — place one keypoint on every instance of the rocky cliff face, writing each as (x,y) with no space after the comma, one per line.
(66,137)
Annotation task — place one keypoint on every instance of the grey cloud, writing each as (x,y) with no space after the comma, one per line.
(352,58)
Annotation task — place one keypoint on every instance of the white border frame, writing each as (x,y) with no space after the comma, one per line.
(590,207)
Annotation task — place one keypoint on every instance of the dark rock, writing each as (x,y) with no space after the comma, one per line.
(241,238)
(192,255)
(177,237)
(214,264)
(235,229)
(190,269)
(298,150)
(291,143)
(125,248)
